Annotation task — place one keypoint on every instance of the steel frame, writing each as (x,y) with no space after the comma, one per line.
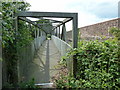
(68,16)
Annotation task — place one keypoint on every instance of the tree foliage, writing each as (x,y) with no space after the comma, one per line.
(11,39)
(8,11)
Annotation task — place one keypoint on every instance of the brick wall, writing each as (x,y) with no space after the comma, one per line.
(96,30)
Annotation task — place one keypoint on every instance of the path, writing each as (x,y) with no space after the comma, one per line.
(42,68)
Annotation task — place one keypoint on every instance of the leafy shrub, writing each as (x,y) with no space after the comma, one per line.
(115,32)
(11,42)
(29,84)
(97,66)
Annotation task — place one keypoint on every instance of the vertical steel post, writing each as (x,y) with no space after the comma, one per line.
(16,33)
(29,27)
(56,32)
(37,32)
(75,44)
(41,33)
(0,62)
(0,47)
(63,35)
(59,31)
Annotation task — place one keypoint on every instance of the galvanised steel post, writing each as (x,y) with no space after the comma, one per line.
(64,32)
(16,33)
(75,42)
(59,31)
(0,47)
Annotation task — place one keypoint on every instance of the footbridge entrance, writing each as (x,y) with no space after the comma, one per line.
(38,59)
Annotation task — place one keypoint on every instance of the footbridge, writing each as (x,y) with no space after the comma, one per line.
(39,58)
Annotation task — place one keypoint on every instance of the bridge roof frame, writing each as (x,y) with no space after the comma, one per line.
(73,16)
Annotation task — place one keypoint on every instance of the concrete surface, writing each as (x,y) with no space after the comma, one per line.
(42,67)
(63,48)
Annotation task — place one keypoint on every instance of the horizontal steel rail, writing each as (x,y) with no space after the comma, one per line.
(45,14)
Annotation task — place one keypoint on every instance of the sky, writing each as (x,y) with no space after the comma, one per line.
(89,11)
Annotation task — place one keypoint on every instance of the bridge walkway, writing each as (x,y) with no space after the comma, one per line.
(43,66)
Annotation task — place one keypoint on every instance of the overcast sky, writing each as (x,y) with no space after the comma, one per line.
(89,11)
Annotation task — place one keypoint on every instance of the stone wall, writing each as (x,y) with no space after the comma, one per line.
(95,30)
(98,29)
(69,36)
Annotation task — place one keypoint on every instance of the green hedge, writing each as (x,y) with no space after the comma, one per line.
(98,66)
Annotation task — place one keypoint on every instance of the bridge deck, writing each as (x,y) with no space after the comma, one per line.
(42,68)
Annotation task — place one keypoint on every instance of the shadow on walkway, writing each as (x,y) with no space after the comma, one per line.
(42,68)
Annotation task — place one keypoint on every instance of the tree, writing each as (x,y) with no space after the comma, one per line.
(10,43)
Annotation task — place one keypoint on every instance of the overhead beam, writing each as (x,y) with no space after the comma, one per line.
(41,18)
(45,14)
(31,22)
(63,22)
(27,20)
(53,21)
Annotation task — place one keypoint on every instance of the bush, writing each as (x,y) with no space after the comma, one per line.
(21,85)
(97,64)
